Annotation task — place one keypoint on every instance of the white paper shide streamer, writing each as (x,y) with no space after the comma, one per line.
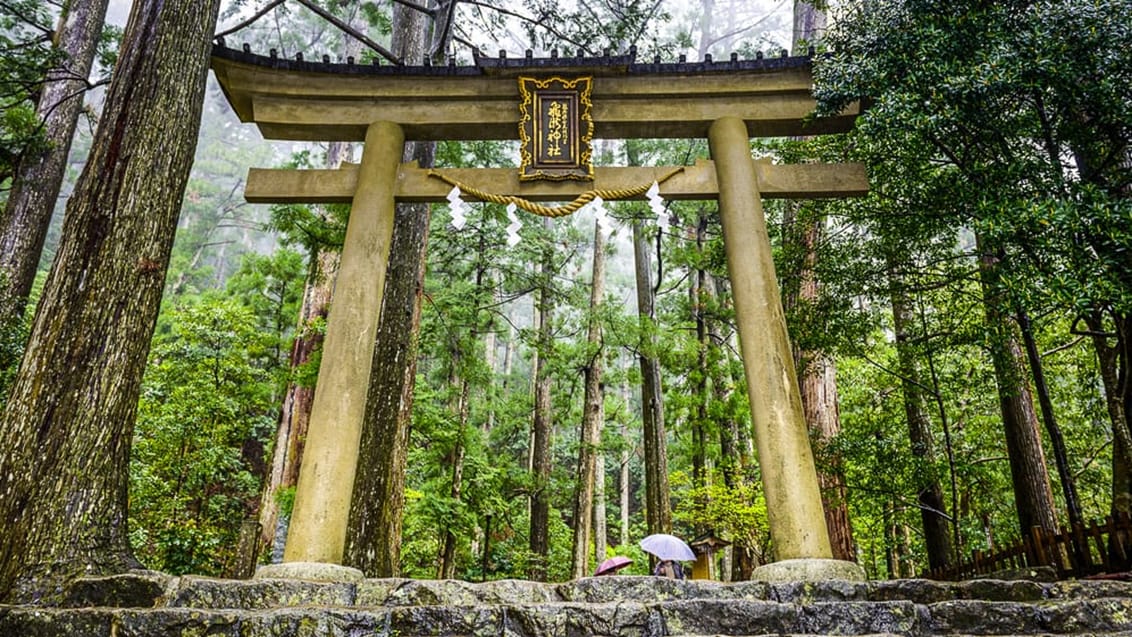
(656,203)
(458,207)
(601,215)
(513,228)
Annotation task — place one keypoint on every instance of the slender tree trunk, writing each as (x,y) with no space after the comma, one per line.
(658,511)
(817,373)
(933,509)
(1032,495)
(699,421)
(67,427)
(541,430)
(1057,441)
(1108,362)
(373,537)
(601,530)
(35,186)
(623,474)
(294,416)
(489,347)
(593,416)
(455,461)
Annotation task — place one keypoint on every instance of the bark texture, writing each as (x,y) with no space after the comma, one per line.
(66,432)
(294,417)
(593,416)
(539,540)
(35,187)
(933,509)
(1033,497)
(373,539)
(658,510)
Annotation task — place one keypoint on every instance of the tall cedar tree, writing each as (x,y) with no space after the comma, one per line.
(66,432)
(373,537)
(929,496)
(658,509)
(542,422)
(817,372)
(35,187)
(593,415)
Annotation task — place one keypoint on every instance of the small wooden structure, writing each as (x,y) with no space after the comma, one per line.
(705,547)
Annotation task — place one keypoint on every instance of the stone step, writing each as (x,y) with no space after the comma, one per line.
(155,605)
(562,619)
(147,589)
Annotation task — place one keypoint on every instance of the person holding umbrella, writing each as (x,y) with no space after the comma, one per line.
(670,550)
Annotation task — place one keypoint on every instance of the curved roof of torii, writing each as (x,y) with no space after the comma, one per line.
(325,101)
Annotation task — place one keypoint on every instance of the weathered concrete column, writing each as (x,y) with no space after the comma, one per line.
(794,508)
(317,531)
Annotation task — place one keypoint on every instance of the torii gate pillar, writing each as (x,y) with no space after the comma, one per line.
(317,532)
(789,476)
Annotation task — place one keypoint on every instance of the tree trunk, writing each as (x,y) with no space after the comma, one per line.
(1033,497)
(933,509)
(623,475)
(1057,440)
(35,186)
(817,382)
(817,373)
(699,421)
(592,417)
(658,511)
(373,536)
(67,427)
(601,529)
(455,461)
(541,429)
(1108,358)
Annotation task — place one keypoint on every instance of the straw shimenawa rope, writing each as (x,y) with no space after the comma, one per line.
(553,211)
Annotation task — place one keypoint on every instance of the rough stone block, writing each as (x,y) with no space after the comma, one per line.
(819,591)
(920,591)
(975,617)
(140,589)
(730,617)
(1001,591)
(628,619)
(26,621)
(208,593)
(445,621)
(1088,616)
(857,618)
(1088,589)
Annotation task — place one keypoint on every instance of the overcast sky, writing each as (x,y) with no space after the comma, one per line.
(119,11)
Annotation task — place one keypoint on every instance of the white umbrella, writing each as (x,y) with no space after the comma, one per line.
(667,547)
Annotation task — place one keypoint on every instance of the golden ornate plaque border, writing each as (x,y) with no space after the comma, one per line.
(529,89)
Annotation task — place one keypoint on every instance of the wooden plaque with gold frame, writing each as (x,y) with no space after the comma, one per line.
(555,128)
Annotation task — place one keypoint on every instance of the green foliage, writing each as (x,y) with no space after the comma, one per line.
(25,38)
(208,407)
(203,402)
(736,513)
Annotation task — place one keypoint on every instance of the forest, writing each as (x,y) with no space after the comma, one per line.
(544,397)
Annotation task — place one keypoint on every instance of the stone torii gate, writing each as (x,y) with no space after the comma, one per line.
(556,105)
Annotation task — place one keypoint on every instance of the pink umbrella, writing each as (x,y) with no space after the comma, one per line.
(615,563)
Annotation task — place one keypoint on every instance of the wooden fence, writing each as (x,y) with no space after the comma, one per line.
(1080,551)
